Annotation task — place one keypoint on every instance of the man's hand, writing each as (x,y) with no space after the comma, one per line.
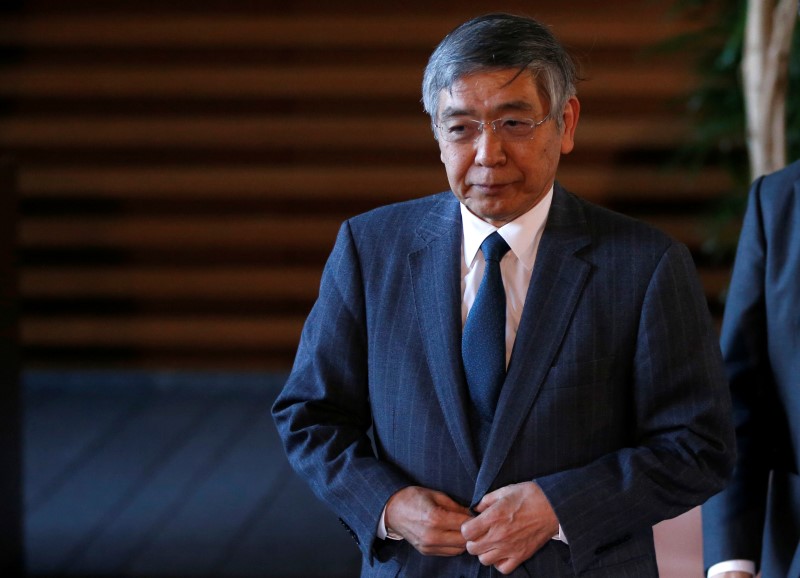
(428,520)
(513,523)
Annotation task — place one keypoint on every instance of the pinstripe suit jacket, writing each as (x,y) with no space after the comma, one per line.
(758,516)
(614,402)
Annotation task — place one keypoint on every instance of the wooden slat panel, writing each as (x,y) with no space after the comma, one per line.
(182,164)
(137,283)
(250,131)
(210,285)
(195,233)
(192,333)
(602,183)
(276,32)
(197,333)
(204,82)
(209,82)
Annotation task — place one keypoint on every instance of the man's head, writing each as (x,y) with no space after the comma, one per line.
(501,94)
(497,41)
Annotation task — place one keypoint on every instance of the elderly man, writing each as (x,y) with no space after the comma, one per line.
(504,377)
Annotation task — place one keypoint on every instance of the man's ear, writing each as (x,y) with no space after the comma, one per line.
(572,111)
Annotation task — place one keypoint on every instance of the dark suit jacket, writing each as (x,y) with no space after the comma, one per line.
(615,401)
(758,516)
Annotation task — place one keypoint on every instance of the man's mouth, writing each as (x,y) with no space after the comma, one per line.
(490,187)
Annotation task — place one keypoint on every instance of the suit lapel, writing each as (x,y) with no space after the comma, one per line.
(436,281)
(556,285)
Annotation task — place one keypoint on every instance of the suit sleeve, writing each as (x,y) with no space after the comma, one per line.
(681,448)
(323,413)
(733,521)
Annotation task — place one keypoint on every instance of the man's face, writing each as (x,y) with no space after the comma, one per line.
(500,180)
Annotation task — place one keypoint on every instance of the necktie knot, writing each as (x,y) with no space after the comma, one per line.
(494,247)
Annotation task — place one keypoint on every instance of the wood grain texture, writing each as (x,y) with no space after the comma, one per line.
(183,167)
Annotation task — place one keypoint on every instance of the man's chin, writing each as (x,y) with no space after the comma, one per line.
(491,214)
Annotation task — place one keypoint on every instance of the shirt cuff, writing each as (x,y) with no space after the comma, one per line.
(732,566)
(382,532)
(561,537)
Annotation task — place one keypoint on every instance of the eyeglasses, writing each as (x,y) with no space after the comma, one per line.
(459,130)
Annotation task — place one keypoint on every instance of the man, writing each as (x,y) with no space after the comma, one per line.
(755,523)
(551,439)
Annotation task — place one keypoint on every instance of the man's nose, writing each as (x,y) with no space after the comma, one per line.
(489,149)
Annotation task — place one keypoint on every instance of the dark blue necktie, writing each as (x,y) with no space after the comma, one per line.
(483,343)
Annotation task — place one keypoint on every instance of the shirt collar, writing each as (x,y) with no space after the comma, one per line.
(522,234)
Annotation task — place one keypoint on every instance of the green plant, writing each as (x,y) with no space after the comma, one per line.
(716,107)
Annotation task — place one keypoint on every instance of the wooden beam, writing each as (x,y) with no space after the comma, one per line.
(601,183)
(198,332)
(299,132)
(166,283)
(204,82)
(312,32)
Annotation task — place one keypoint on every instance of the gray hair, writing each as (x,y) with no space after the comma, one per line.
(501,41)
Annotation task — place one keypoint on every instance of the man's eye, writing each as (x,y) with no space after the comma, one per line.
(514,123)
(456,128)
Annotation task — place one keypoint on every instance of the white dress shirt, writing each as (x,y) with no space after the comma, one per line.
(522,235)
(732,566)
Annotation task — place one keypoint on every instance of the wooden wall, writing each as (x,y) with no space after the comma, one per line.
(184,166)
